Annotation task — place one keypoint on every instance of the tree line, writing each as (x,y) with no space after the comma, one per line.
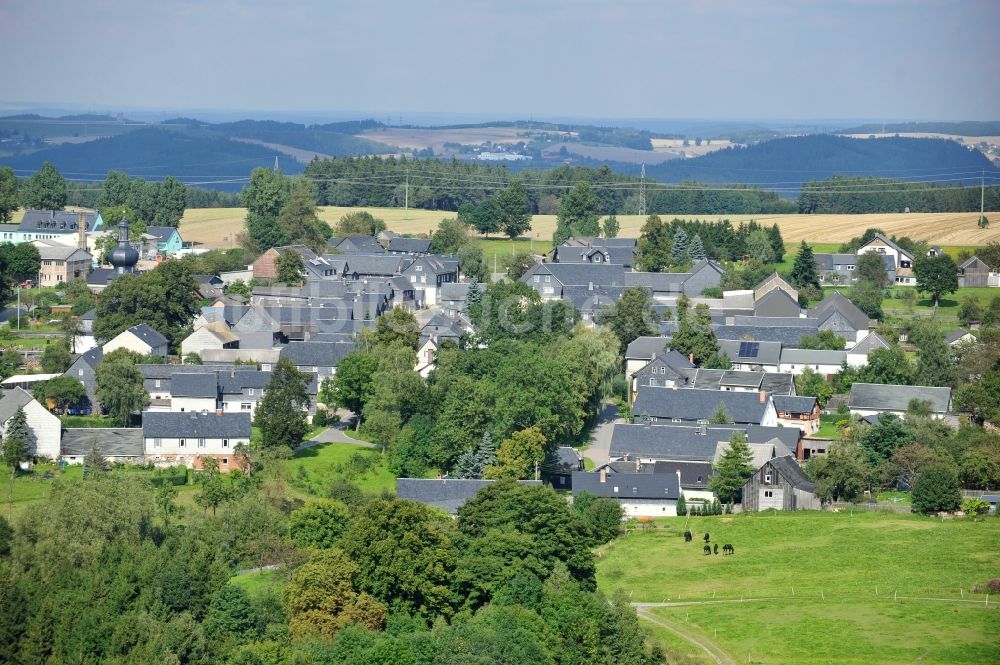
(852,195)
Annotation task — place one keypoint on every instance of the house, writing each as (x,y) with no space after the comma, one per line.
(194,391)
(434,333)
(84,369)
(694,476)
(696,406)
(869,399)
(428,274)
(755,356)
(165,241)
(48,224)
(215,335)
(589,300)
(448,494)
(619,251)
(782,335)
(454,296)
(797,411)
(115,444)
(142,339)
(822,361)
(548,279)
(62,263)
(974,272)
(357,245)
(667,370)
(400,245)
(858,355)
(186,438)
(43,428)
(641,351)
(667,286)
(640,494)
(838,314)
(319,358)
(903,259)
(241,389)
(780,484)
(209,287)
(959,336)
(265,267)
(558,471)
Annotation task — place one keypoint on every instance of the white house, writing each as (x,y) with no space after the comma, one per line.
(142,339)
(822,361)
(640,494)
(187,438)
(194,392)
(869,399)
(858,355)
(885,247)
(214,335)
(44,428)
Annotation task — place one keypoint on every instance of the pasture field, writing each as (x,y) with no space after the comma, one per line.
(818,587)
(208,226)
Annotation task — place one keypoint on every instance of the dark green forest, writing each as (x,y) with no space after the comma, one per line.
(845,194)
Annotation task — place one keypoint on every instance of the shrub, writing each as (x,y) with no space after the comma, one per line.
(975,507)
(936,489)
(320,419)
(991,587)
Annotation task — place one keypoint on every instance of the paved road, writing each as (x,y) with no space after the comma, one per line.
(334,435)
(600,436)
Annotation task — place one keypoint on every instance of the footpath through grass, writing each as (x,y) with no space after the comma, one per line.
(830,578)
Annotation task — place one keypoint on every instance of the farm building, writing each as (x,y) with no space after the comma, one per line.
(779,484)
(640,494)
(973,272)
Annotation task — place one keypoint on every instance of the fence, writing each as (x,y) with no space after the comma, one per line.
(883,506)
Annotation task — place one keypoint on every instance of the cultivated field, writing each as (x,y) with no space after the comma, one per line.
(420,139)
(818,587)
(614,153)
(208,226)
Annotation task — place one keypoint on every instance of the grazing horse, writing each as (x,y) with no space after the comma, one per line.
(717,548)
(707,550)
(727,549)
(687,536)
(707,538)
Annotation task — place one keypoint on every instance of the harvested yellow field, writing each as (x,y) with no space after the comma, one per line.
(217,227)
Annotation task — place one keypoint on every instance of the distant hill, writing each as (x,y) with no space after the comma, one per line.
(817,157)
(327,139)
(152,153)
(964,128)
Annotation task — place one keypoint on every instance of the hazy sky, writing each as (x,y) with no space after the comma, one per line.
(795,59)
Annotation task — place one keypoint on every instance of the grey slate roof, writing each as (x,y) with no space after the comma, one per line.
(792,473)
(55,221)
(787,335)
(629,486)
(111,442)
(12,401)
(358,245)
(161,233)
(202,384)
(377,264)
(838,302)
(316,354)
(93,357)
(455,290)
(646,347)
(773,382)
(877,397)
(580,273)
(410,245)
(694,475)
(192,425)
(768,353)
(871,342)
(794,403)
(658,282)
(446,493)
(685,442)
(695,404)
(955,335)
(148,335)
(773,321)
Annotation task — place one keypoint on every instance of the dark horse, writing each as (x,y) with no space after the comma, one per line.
(727,549)
(707,538)
(717,548)
(707,550)
(687,536)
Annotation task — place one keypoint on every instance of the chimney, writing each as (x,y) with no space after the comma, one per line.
(218,412)
(703,429)
(626,457)
(604,475)
(638,465)
(81,235)
(763,396)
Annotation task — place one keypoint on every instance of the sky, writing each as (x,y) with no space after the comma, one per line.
(387,59)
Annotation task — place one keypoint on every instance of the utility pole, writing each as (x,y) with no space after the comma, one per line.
(642,191)
(276,169)
(982,195)
(406,197)
(538,474)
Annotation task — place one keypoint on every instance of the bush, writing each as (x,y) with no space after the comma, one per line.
(991,587)
(320,419)
(975,507)
(936,489)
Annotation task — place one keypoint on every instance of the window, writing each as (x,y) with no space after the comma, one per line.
(157,383)
(225,460)
(768,494)
(652,381)
(616,489)
(767,478)
(201,443)
(246,406)
(156,443)
(674,420)
(537,278)
(701,479)
(265,368)
(419,268)
(562,480)
(315,369)
(250,391)
(182,443)
(548,278)
(80,371)
(850,267)
(635,490)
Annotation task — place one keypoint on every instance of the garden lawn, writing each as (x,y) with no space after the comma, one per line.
(842,568)
(257,582)
(312,469)
(495,249)
(31,486)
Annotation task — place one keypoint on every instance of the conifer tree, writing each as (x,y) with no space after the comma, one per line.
(696,250)
(679,251)
(804,270)
(486,455)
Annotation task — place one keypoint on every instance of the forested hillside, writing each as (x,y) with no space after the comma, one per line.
(156,153)
(787,162)
(845,194)
(965,128)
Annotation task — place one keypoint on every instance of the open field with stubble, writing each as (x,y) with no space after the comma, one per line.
(811,587)
(208,226)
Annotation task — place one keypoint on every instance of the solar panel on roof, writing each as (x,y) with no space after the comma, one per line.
(749,349)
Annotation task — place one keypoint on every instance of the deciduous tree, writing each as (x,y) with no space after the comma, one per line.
(281,413)
(120,389)
(45,190)
(936,489)
(631,316)
(936,275)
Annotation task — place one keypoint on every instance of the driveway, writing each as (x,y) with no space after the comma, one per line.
(334,434)
(600,435)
